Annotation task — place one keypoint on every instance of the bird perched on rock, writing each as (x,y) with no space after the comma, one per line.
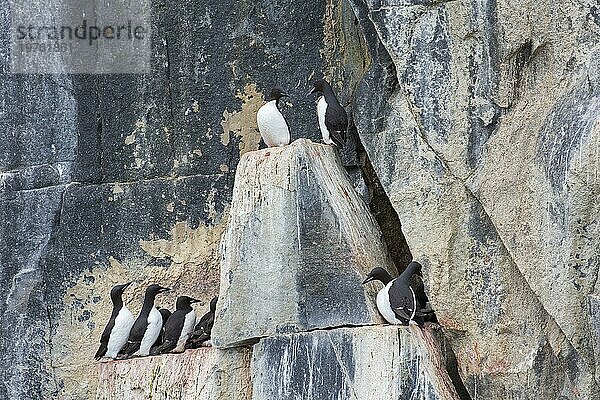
(147,326)
(117,329)
(165,314)
(397,301)
(272,126)
(203,328)
(333,120)
(179,326)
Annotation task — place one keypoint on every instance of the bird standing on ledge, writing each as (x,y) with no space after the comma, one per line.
(272,126)
(201,333)
(179,326)
(147,326)
(333,120)
(397,301)
(117,330)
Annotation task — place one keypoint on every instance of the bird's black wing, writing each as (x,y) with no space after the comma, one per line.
(336,121)
(201,331)
(101,350)
(402,300)
(166,347)
(130,348)
(174,326)
(138,329)
(416,283)
(135,336)
(106,336)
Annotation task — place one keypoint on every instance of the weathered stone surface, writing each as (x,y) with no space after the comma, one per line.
(200,374)
(492,111)
(298,244)
(375,362)
(169,140)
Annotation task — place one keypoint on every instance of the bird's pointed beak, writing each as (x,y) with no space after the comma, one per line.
(311,91)
(285,95)
(165,289)
(126,285)
(368,279)
(194,301)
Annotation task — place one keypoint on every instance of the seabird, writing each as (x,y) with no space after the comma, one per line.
(333,120)
(271,124)
(397,301)
(116,332)
(147,326)
(179,326)
(203,328)
(165,314)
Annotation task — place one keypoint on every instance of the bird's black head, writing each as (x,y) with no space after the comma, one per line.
(165,314)
(117,291)
(414,268)
(319,86)
(378,274)
(213,304)
(155,289)
(277,93)
(185,302)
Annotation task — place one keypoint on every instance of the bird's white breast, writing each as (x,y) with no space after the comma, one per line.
(152,332)
(321,111)
(120,332)
(384,307)
(188,328)
(272,126)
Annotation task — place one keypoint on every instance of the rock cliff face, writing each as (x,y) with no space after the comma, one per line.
(478,118)
(494,107)
(298,244)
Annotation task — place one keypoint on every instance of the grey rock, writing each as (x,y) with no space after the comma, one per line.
(376,362)
(169,139)
(199,374)
(298,244)
(492,107)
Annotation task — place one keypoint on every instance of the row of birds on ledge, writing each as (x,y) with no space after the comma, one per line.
(333,120)
(157,331)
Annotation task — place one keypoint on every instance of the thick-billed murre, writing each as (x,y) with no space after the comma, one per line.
(147,326)
(333,120)
(271,123)
(117,329)
(398,302)
(201,333)
(179,326)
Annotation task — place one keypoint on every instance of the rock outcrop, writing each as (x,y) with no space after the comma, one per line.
(200,374)
(375,362)
(299,242)
(494,108)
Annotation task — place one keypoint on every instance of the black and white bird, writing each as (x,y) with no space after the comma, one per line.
(147,326)
(201,332)
(333,120)
(272,125)
(165,314)
(397,301)
(179,326)
(116,332)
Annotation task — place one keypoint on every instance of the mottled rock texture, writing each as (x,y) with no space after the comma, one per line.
(481,120)
(200,374)
(299,242)
(111,178)
(377,363)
